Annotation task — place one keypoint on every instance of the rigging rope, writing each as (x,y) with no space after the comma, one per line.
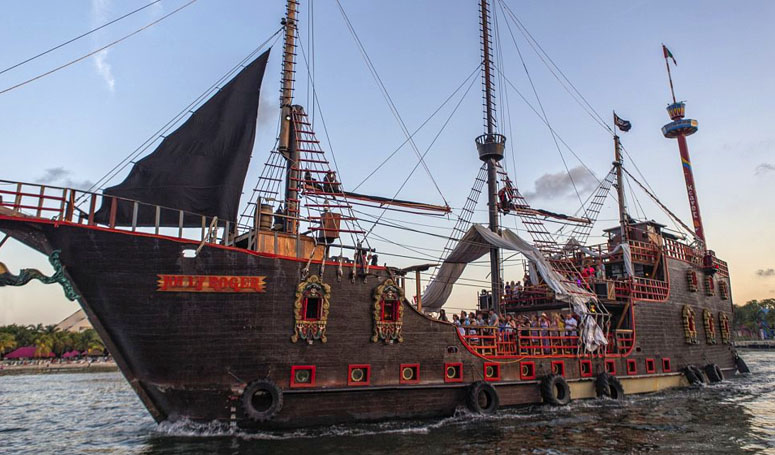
(543,112)
(422,125)
(72,62)
(387,98)
(99,184)
(428,149)
(78,37)
(531,41)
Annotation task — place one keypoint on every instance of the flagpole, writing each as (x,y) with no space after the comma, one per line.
(669,76)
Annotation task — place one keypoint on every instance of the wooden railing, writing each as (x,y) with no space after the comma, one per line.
(641,289)
(67,205)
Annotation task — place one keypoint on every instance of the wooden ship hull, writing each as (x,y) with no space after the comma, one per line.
(191,355)
(263,328)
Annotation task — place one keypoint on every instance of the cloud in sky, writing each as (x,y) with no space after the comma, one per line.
(104,70)
(560,184)
(766,273)
(764,168)
(60,176)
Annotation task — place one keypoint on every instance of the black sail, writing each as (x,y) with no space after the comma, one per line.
(200,168)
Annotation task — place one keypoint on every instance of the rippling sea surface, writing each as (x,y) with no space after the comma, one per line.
(98,413)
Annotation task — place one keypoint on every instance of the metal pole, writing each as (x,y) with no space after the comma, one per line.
(694,206)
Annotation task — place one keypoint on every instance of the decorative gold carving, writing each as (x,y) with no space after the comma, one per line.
(316,329)
(388,331)
(710,327)
(709,286)
(723,289)
(690,327)
(691,278)
(723,322)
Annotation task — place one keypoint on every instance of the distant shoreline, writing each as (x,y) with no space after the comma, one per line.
(54,368)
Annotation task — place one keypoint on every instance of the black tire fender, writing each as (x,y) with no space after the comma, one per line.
(690,376)
(741,366)
(482,398)
(699,374)
(554,390)
(602,387)
(714,373)
(615,388)
(262,400)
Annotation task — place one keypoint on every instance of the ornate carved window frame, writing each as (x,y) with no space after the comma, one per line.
(710,287)
(691,280)
(723,323)
(723,289)
(690,325)
(388,331)
(310,330)
(710,327)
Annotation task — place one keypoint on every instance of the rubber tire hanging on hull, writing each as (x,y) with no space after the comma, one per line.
(714,373)
(694,375)
(482,398)
(554,390)
(262,411)
(740,364)
(609,387)
(602,387)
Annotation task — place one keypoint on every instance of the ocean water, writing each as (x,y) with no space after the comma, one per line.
(98,413)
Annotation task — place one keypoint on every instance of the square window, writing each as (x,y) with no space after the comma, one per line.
(632,366)
(358,375)
(453,372)
(651,366)
(610,366)
(527,370)
(585,368)
(302,376)
(558,368)
(492,371)
(389,310)
(409,373)
(666,367)
(312,308)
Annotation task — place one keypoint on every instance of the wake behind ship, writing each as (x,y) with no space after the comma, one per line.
(303,326)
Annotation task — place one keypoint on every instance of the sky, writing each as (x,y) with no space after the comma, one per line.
(69,128)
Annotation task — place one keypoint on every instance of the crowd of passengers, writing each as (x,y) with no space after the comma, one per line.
(547,331)
(516,291)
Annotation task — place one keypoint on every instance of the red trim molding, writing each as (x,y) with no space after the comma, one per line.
(610,366)
(632,367)
(527,370)
(409,369)
(297,376)
(453,372)
(558,367)
(492,371)
(585,369)
(359,374)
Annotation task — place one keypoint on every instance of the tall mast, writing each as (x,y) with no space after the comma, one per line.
(620,187)
(287,146)
(490,147)
(678,129)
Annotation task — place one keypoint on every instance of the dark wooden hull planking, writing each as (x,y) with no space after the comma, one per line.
(189,355)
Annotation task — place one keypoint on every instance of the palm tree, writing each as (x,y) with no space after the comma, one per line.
(7,342)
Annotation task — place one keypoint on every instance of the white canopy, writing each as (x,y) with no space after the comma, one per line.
(476,243)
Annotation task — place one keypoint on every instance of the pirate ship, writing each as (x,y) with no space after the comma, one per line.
(299,335)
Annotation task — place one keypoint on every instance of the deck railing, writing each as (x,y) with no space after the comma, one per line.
(68,205)
(507,342)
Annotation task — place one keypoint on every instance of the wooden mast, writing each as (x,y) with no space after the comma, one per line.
(620,187)
(490,147)
(286,145)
